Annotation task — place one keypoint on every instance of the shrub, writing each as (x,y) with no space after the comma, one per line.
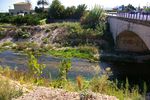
(22,35)
(35,68)
(27,19)
(99,84)
(42,22)
(64,68)
(93,18)
(7,91)
(7,44)
(62,81)
(45,40)
(2,35)
(32,20)
(19,20)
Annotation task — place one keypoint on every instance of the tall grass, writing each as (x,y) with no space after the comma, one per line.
(94,18)
(7,91)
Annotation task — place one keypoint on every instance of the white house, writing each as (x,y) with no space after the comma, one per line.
(21,8)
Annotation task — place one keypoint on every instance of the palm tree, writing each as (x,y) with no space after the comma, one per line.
(42,2)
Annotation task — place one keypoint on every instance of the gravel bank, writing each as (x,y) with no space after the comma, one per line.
(43,93)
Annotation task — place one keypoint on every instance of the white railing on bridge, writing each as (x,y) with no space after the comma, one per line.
(132,15)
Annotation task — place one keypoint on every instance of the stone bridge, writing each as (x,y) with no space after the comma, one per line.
(130,34)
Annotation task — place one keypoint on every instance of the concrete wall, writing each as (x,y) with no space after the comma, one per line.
(118,26)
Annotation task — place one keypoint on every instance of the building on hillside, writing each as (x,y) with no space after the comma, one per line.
(21,8)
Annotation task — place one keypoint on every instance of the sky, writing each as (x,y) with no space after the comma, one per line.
(7,4)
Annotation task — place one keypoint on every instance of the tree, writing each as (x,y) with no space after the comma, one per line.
(56,10)
(42,2)
(129,8)
(147,9)
(38,10)
(70,11)
(80,11)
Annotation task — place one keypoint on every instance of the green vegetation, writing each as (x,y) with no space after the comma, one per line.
(99,84)
(128,8)
(62,80)
(147,9)
(94,18)
(2,35)
(20,20)
(79,52)
(85,52)
(33,66)
(75,35)
(22,35)
(105,86)
(58,11)
(7,91)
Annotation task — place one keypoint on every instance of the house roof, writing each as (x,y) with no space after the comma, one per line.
(21,3)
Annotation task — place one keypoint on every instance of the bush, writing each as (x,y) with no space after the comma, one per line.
(7,92)
(22,35)
(105,86)
(35,68)
(6,18)
(27,19)
(42,22)
(64,68)
(2,35)
(93,18)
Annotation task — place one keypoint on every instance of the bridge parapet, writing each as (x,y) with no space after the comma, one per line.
(139,18)
(133,15)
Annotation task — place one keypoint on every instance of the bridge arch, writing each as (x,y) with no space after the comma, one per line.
(130,41)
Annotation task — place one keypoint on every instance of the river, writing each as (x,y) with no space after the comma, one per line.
(137,73)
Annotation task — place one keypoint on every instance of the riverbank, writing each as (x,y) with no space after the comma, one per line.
(125,57)
(57,39)
(33,92)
